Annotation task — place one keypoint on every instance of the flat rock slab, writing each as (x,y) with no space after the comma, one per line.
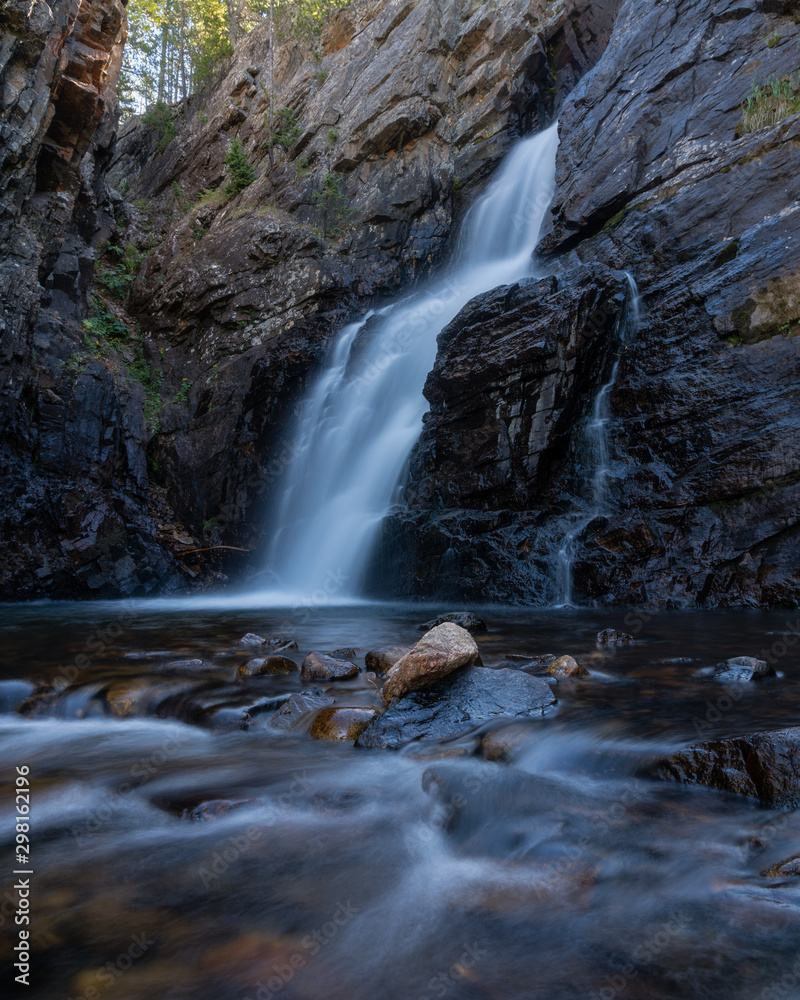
(765,766)
(456,704)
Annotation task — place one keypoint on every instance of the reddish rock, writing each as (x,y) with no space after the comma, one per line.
(319,667)
(347,724)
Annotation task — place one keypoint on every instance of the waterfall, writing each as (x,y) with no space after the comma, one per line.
(596,439)
(364,414)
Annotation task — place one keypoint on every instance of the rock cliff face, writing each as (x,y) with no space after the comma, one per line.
(73,481)
(409,105)
(168,429)
(656,177)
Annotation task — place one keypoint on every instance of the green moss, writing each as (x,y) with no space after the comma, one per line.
(727,254)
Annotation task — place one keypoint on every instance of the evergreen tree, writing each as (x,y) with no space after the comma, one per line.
(239,170)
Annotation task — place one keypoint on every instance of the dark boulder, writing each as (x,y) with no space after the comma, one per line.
(261,667)
(319,667)
(457,704)
(465,619)
(298,708)
(381,661)
(765,766)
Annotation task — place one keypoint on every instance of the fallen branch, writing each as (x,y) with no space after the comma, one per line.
(209,548)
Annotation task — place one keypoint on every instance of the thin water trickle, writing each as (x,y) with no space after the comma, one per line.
(596,436)
(364,415)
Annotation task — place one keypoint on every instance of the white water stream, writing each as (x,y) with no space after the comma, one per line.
(364,414)
(596,435)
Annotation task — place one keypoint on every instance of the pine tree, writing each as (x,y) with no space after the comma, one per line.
(239,170)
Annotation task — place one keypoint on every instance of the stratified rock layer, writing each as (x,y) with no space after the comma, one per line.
(702,492)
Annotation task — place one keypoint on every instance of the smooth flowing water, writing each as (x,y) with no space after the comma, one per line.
(596,431)
(346,874)
(364,415)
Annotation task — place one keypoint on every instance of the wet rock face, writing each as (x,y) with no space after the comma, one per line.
(704,446)
(73,475)
(765,766)
(455,705)
(411,109)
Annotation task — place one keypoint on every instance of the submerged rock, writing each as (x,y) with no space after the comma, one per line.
(297,708)
(743,669)
(214,809)
(268,665)
(251,639)
(566,666)
(383,659)
(791,867)
(439,652)
(765,766)
(612,637)
(456,704)
(335,723)
(345,653)
(465,619)
(319,667)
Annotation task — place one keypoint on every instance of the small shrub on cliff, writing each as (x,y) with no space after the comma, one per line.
(285,129)
(332,203)
(239,170)
(159,118)
(770,102)
(119,277)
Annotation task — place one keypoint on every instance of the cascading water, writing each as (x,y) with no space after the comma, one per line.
(364,414)
(596,435)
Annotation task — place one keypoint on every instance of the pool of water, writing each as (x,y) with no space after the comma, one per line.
(430,872)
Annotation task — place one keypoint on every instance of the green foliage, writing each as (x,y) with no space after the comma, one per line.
(285,129)
(101,326)
(239,170)
(321,76)
(181,200)
(332,204)
(119,277)
(773,40)
(303,19)
(182,395)
(150,380)
(457,184)
(770,102)
(302,165)
(333,135)
(202,117)
(159,118)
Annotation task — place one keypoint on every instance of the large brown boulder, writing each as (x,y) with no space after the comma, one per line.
(765,766)
(438,653)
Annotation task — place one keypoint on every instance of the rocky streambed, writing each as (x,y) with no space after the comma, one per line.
(567,804)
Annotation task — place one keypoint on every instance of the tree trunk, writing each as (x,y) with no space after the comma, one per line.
(183,61)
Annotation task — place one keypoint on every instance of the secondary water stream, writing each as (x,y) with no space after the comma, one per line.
(596,446)
(346,874)
(364,415)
